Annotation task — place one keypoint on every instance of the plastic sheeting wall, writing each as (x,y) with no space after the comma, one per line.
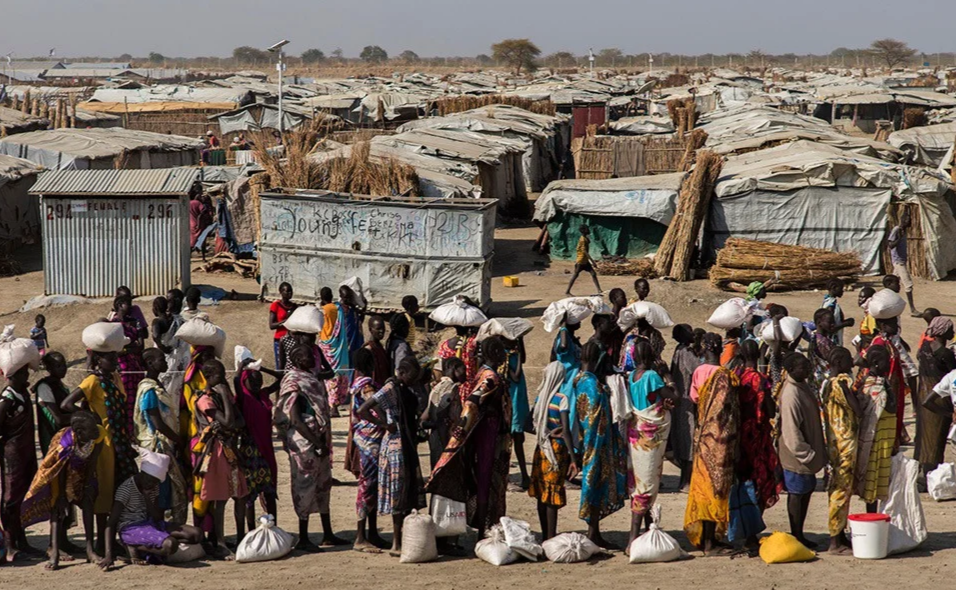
(432,251)
(19,214)
(92,246)
(842,219)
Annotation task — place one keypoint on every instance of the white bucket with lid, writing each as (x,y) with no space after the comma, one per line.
(871,535)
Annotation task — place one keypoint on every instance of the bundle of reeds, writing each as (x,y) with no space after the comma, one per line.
(914,117)
(683,113)
(740,262)
(692,142)
(25,105)
(459,104)
(674,255)
(916,254)
(620,266)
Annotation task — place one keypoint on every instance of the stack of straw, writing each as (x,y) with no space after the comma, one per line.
(674,256)
(620,266)
(683,113)
(460,104)
(914,118)
(692,143)
(741,262)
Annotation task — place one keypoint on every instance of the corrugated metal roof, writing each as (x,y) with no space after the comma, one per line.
(165,181)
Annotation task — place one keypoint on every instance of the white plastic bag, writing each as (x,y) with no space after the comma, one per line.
(306,319)
(451,518)
(790,329)
(355,284)
(941,482)
(622,406)
(654,314)
(418,539)
(104,337)
(241,355)
(569,548)
(731,314)
(655,546)
(886,304)
(201,332)
(458,313)
(509,328)
(16,353)
(572,310)
(494,549)
(903,506)
(266,543)
(520,539)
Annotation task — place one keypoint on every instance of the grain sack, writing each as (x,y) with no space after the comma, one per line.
(784,548)
(572,310)
(903,506)
(508,328)
(16,353)
(450,517)
(941,482)
(241,355)
(519,537)
(494,549)
(266,543)
(355,284)
(306,319)
(569,548)
(458,313)
(731,314)
(790,329)
(886,304)
(104,337)
(654,314)
(655,546)
(200,332)
(418,539)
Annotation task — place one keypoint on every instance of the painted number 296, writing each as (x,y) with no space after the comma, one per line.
(160,212)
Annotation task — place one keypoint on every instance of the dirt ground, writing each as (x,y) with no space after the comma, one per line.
(245,322)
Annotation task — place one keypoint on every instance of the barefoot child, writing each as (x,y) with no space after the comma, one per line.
(842,414)
(583,261)
(38,334)
(518,391)
(802,450)
(138,520)
(66,478)
(367,439)
(554,461)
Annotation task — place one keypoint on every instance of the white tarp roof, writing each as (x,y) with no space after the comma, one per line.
(649,197)
(642,125)
(13,169)
(926,145)
(100,143)
(168,93)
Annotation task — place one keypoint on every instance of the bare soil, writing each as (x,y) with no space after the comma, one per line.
(245,322)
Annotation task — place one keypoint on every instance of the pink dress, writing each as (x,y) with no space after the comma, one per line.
(701,375)
(223,478)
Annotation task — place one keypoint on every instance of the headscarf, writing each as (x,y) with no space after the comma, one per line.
(939,326)
(155,464)
(753,289)
(554,375)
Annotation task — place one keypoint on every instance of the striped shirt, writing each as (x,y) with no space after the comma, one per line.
(559,403)
(134,503)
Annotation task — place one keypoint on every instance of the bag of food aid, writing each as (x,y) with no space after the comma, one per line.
(941,482)
(266,543)
(903,506)
(652,313)
(655,546)
(458,313)
(244,359)
(186,554)
(886,304)
(784,548)
(790,329)
(201,332)
(569,548)
(306,319)
(355,284)
(731,314)
(16,353)
(519,537)
(418,539)
(494,549)
(451,518)
(104,337)
(508,328)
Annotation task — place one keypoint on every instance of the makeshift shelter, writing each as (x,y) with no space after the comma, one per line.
(112,148)
(13,121)
(19,213)
(926,146)
(810,194)
(104,228)
(627,216)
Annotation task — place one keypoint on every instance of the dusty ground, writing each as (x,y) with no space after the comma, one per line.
(245,323)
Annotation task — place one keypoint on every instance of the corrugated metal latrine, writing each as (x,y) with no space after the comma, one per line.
(91,245)
(396,246)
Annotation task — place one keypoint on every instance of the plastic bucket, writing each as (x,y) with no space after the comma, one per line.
(871,535)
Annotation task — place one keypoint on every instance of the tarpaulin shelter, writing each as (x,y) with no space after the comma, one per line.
(927,145)
(19,212)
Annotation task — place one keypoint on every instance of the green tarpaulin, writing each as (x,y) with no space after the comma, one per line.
(631,237)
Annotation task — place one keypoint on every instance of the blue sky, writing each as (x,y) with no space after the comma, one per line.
(454,27)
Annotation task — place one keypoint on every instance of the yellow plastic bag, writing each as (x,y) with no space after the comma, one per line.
(784,548)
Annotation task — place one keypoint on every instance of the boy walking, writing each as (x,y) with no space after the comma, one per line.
(583,261)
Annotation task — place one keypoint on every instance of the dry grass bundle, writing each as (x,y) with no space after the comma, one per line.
(790,267)
(914,118)
(459,104)
(674,255)
(620,266)
(692,142)
(8,266)
(683,113)
(675,80)
(916,255)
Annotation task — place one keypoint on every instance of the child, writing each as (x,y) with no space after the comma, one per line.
(877,436)
(367,440)
(257,453)
(138,519)
(831,301)
(65,478)
(218,475)
(554,461)
(51,392)
(18,461)
(642,289)
(38,334)
(279,312)
(304,423)
(380,367)
(802,450)
(444,407)
(410,305)
(518,390)
(583,261)
(842,412)
(193,297)
(868,325)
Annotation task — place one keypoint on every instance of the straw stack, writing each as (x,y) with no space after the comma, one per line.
(674,255)
(741,262)
(692,143)
(458,104)
(914,118)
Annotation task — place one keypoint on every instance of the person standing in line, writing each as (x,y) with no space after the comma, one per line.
(583,261)
(898,254)
(831,301)
(279,312)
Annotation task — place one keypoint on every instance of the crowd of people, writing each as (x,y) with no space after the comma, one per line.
(158,427)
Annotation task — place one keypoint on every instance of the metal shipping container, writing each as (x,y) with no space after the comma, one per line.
(106,228)
(397,246)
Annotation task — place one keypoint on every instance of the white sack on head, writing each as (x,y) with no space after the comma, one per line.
(790,329)
(355,284)
(306,319)
(105,337)
(573,310)
(16,353)
(509,328)
(652,313)
(458,313)
(243,354)
(730,314)
(886,304)
(200,332)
